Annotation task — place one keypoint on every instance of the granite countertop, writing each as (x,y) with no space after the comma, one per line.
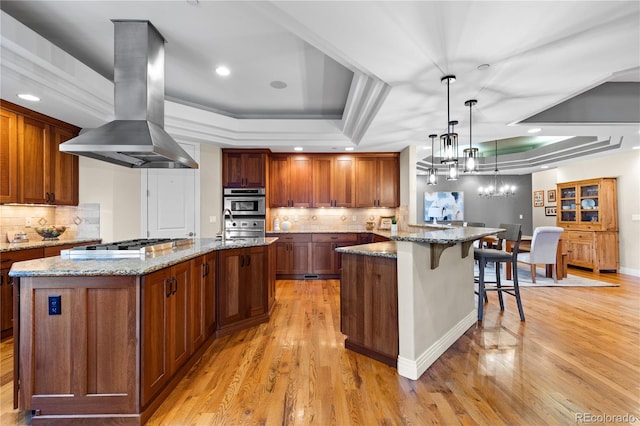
(383,249)
(5,246)
(446,235)
(56,266)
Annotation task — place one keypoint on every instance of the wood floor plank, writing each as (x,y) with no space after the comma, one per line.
(577,352)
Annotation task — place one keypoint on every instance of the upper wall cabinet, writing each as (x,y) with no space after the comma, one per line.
(37,172)
(244,168)
(333,181)
(290,181)
(377,180)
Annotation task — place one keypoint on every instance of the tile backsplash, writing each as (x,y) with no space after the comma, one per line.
(82,221)
(329,219)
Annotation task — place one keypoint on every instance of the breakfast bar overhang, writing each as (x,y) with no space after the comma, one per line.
(434,290)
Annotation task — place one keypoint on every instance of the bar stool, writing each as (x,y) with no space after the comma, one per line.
(513,233)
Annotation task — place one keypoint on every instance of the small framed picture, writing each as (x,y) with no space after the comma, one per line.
(550,211)
(385,222)
(551,196)
(538,198)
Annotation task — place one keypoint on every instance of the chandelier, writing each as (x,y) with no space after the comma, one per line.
(497,189)
(432,172)
(470,154)
(449,140)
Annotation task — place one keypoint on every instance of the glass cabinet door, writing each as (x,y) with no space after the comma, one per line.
(589,203)
(568,204)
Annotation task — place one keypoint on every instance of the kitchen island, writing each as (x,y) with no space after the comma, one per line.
(105,341)
(405,302)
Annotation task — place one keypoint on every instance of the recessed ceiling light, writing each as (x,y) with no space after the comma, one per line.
(349,148)
(277,84)
(483,67)
(297,148)
(636,147)
(28,97)
(544,167)
(534,130)
(223,71)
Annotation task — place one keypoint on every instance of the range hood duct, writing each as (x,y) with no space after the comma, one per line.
(136,138)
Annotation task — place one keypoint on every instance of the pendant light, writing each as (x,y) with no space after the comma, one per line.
(449,140)
(471,153)
(452,166)
(497,189)
(432,172)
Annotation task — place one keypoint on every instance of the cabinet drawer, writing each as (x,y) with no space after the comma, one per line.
(577,235)
(335,238)
(292,238)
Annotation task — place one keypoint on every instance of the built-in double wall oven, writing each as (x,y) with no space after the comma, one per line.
(248,208)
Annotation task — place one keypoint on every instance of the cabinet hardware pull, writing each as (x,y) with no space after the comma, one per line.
(248,259)
(167,281)
(5,260)
(242,261)
(204,270)
(174,280)
(53,197)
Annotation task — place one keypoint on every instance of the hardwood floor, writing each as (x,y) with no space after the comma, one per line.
(576,355)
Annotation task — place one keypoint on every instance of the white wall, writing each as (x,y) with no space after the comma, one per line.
(210,190)
(117,190)
(626,168)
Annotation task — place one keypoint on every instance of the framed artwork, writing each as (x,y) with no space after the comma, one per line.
(538,198)
(551,196)
(550,211)
(443,206)
(385,222)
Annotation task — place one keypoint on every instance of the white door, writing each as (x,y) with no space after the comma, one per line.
(172,206)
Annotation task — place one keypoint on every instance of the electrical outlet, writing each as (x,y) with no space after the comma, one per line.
(27,221)
(521,217)
(354,218)
(55,305)
(295,218)
(213,219)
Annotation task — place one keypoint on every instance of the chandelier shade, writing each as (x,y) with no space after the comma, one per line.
(470,154)
(449,140)
(498,188)
(432,172)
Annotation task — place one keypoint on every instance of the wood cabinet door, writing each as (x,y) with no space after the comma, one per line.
(196,312)
(8,157)
(323,260)
(300,258)
(322,178)
(387,181)
(209,283)
(154,361)
(300,174)
(229,286)
(232,170)
(254,282)
(64,169)
(35,161)
(283,258)
(178,316)
(279,181)
(253,169)
(343,181)
(366,182)
(6,300)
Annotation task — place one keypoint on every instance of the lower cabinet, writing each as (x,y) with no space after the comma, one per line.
(242,289)
(164,326)
(293,255)
(326,261)
(597,250)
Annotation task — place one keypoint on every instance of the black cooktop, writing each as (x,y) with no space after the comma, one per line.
(136,244)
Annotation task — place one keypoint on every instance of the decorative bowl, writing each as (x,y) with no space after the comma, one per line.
(50,232)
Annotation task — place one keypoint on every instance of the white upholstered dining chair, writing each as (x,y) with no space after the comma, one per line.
(544,245)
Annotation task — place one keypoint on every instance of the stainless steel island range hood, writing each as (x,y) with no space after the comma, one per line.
(136,138)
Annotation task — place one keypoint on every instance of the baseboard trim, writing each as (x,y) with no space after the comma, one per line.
(414,369)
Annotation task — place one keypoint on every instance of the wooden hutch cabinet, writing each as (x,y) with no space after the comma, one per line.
(588,211)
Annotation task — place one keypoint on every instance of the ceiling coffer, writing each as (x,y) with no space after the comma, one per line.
(136,138)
